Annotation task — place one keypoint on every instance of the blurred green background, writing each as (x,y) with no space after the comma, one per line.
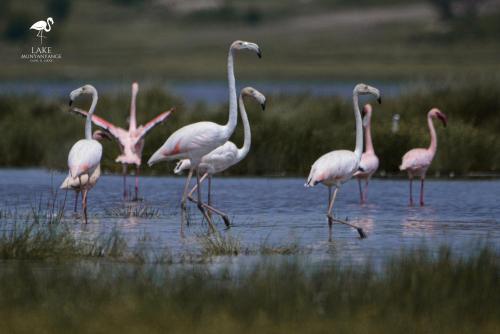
(448,49)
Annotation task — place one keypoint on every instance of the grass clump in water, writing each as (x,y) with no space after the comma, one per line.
(216,244)
(416,292)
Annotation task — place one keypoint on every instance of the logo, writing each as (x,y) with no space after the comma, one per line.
(42,54)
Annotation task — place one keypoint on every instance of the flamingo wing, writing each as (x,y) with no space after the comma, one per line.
(84,157)
(417,158)
(40,25)
(222,157)
(154,122)
(114,130)
(368,165)
(333,168)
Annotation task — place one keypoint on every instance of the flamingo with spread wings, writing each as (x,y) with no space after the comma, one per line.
(417,161)
(131,141)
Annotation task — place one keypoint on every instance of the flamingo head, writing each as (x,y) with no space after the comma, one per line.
(87,89)
(367,114)
(258,96)
(436,113)
(182,165)
(242,45)
(50,20)
(364,89)
(100,135)
(135,88)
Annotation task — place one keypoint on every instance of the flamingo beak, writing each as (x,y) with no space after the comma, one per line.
(259,53)
(443,118)
(379,100)
(70,102)
(263,106)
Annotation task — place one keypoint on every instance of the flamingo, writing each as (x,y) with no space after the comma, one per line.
(73,183)
(226,155)
(334,168)
(195,140)
(42,26)
(131,141)
(417,161)
(85,155)
(369,160)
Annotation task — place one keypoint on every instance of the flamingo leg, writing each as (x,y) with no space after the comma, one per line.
(361,200)
(200,203)
(124,172)
(422,192)
(137,183)
(196,186)
(209,196)
(183,201)
(84,204)
(330,208)
(365,192)
(411,191)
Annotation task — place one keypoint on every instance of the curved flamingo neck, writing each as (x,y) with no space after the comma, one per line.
(133,120)
(47,29)
(368,136)
(233,113)
(242,152)
(433,146)
(88,123)
(359,127)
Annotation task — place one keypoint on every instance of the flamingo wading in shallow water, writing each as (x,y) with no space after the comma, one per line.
(368,164)
(42,26)
(85,181)
(85,155)
(417,161)
(226,155)
(131,141)
(195,140)
(336,167)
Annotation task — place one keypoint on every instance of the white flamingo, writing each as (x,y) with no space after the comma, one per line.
(73,183)
(369,160)
(417,161)
(42,26)
(195,140)
(336,167)
(85,155)
(226,155)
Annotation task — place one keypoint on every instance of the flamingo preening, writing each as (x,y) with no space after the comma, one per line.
(131,141)
(336,167)
(368,164)
(226,155)
(85,155)
(42,26)
(195,140)
(85,181)
(417,161)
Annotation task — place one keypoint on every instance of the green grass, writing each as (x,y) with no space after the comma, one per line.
(416,292)
(286,139)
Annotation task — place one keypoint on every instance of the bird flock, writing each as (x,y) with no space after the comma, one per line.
(203,149)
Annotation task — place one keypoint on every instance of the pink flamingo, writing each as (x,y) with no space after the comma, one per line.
(85,181)
(334,168)
(85,155)
(369,160)
(417,161)
(195,140)
(131,141)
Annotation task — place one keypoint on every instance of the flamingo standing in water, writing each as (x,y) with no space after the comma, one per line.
(42,26)
(417,161)
(226,155)
(195,140)
(79,183)
(131,141)
(336,167)
(369,160)
(85,155)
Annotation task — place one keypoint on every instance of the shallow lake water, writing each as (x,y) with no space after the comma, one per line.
(280,211)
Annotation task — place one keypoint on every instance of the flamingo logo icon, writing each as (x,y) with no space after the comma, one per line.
(42,26)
